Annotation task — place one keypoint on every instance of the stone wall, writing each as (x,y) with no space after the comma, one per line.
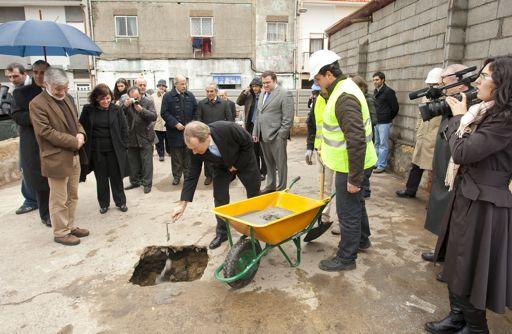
(407,38)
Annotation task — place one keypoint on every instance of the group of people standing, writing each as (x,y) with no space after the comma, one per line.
(468,149)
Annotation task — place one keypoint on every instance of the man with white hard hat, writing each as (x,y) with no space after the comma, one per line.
(346,148)
(426,134)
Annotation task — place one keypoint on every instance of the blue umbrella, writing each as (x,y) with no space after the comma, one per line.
(42,38)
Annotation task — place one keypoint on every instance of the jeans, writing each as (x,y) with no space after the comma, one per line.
(354,225)
(381,144)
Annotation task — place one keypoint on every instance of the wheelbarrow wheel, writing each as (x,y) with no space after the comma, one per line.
(239,257)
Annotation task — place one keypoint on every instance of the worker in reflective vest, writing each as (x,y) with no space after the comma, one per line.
(346,147)
(313,141)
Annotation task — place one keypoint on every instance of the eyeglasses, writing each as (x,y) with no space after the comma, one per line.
(484,76)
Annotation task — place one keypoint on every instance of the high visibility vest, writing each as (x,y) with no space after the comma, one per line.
(334,147)
(319,119)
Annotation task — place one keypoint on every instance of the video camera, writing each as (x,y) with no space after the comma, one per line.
(438,105)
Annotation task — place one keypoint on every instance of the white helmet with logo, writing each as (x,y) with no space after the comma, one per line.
(319,59)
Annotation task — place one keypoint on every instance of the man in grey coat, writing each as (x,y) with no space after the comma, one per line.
(140,115)
(274,121)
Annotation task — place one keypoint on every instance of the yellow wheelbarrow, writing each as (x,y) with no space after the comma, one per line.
(243,258)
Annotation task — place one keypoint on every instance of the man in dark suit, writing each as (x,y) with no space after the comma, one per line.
(228,147)
(29,150)
(223,94)
(179,107)
(212,109)
(140,116)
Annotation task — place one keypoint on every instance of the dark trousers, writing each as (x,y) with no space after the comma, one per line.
(260,160)
(354,225)
(162,144)
(208,169)
(43,200)
(365,186)
(251,180)
(106,168)
(414,179)
(180,161)
(141,165)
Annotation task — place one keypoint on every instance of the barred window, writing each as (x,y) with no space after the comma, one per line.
(126,26)
(276,31)
(201,26)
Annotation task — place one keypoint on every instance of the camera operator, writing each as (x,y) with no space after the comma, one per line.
(140,114)
(439,195)
(426,132)
(476,231)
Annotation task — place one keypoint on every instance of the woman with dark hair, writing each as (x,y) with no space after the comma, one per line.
(476,236)
(120,89)
(107,141)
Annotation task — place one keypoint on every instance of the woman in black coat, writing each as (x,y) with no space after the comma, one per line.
(476,236)
(106,146)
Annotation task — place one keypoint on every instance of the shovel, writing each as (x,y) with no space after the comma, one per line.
(322,227)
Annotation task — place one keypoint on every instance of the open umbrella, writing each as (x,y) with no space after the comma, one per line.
(44,38)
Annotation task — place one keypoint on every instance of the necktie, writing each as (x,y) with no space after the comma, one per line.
(267,95)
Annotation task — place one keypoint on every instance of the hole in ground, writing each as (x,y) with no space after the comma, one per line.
(159,264)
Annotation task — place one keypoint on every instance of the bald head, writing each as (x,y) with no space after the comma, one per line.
(142,84)
(448,78)
(223,94)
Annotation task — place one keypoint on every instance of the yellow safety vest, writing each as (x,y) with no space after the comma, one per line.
(319,119)
(334,147)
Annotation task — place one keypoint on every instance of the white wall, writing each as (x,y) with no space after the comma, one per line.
(316,20)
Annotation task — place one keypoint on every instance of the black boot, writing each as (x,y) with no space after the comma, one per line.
(476,321)
(452,323)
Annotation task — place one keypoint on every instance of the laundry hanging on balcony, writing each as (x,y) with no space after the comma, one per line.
(203,44)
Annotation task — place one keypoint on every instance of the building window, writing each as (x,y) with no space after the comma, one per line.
(83,87)
(316,44)
(126,26)
(201,26)
(276,31)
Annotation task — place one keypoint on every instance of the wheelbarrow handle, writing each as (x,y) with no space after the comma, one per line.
(292,182)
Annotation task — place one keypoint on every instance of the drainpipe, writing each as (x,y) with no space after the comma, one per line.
(92,60)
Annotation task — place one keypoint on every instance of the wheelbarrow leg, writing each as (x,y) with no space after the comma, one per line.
(296,241)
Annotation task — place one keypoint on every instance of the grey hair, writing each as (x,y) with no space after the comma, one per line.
(179,78)
(214,85)
(140,80)
(196,129)
(223,91)
(55,77)
(133,89)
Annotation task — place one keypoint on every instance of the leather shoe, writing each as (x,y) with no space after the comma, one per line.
(103,210)
(217,241)
(207,181)
(405,193)
(176,181)
(131,186)
(123,208)
(428,256)
(24,209)
(364,246)
(336,264)
(440,277)
(67,240)
(147,189)
(160,158)
(80,232)
(267,191)
(47,222)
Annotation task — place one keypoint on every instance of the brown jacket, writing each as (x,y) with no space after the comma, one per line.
(56,145)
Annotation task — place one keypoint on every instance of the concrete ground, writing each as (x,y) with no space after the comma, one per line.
(49,288)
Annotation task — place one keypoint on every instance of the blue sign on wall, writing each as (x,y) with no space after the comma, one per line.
(227,79)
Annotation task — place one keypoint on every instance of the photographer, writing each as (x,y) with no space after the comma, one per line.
(439,195)
(476,231)
(140,113)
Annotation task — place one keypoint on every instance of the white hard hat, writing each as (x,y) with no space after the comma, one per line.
(434,76)
(319,59)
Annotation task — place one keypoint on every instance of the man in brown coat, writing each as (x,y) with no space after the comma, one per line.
(60,137)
